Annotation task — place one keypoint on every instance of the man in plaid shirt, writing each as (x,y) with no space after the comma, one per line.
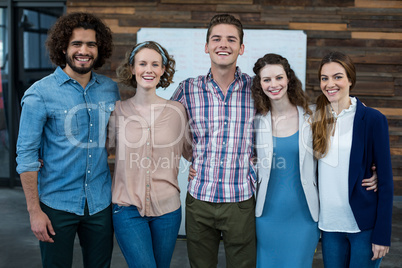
(220,199)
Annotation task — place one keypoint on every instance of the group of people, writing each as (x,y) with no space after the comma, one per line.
(269,173)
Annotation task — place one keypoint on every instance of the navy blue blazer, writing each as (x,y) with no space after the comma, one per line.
(370,145)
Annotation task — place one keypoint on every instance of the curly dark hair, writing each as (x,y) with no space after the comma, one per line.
(295,92)
(59,37)
(124,70)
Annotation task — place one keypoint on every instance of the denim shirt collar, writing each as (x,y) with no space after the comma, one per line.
(62,77)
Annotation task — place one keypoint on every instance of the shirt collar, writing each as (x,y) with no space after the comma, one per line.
(238,74)
(351,109)
(62,77)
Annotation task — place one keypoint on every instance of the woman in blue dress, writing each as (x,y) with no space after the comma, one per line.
(287,204)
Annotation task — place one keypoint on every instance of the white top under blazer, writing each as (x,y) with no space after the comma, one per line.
(336,214)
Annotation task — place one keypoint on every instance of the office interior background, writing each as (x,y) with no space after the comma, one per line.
(370,31)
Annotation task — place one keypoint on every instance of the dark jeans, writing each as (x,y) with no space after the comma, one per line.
(205,224)
(348,250)
(95,233)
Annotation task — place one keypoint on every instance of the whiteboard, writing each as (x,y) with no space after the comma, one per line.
(188,49)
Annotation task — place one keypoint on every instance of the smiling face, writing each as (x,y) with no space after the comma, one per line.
(82,52)
(335,83)
(147,68)
(224,45)
(274,81)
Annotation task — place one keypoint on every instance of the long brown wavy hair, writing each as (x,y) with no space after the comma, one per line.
(295,92)
(124,70)
(60,33)
(323,120)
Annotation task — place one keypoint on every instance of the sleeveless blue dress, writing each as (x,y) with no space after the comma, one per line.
(287,236)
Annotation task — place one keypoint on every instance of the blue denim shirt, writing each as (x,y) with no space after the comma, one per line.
(66,125)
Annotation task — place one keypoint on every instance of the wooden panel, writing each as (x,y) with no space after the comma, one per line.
(328,34)
(187,7)
(370,13)
(238,8)
(337,3)
(376,101)
(378,4)
(372,88)
(377,35)
(134,22)
(236,2)
(396,151)
(124,39)
(114,26)
(383,58)
(150,14)
(100,2)
(103,10)
(390,111)
(395,25)
(318,26)
(398,185)
(108,3)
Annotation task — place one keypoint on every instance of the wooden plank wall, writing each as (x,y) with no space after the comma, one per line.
(370,31)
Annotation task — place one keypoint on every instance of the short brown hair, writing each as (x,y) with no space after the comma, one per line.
(226,19)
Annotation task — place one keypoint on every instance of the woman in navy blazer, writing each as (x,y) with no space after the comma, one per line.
(348,139)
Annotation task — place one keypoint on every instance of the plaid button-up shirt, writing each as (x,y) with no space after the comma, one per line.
(222,128)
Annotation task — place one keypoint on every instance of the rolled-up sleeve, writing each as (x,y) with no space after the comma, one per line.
(33,119)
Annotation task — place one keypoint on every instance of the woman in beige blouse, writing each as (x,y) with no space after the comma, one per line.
(150,135)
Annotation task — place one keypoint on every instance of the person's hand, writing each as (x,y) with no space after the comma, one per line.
(41,226)
(192,173)
(371,183)
(379,251)
(41,162)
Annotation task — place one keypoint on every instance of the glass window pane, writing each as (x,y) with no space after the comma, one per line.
(4,144)
(35,25)
(31,43)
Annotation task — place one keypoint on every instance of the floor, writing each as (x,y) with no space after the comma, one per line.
(19,248)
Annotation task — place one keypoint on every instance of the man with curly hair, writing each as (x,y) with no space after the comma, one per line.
(63,121)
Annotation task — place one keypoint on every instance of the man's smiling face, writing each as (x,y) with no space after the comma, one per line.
(224,45)
(82,51)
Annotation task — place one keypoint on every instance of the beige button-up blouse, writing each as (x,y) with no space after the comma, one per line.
(148,157)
